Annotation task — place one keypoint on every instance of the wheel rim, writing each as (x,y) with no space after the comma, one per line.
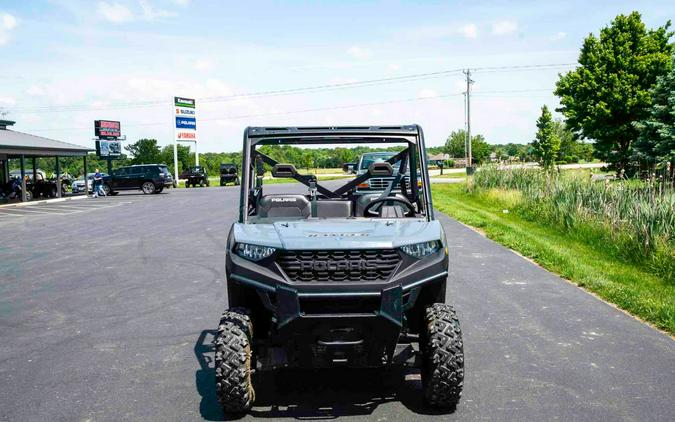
(106,189)
(148,187)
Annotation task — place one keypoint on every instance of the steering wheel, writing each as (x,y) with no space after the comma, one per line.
(368,212)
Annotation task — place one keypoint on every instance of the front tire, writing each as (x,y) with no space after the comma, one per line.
(148,188)
(442,357)
(106,189)
(234,385)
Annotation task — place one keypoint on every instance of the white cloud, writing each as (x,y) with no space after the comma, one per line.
(393,67)
(201,64)
(359,52)
(115,12)
(7,24)
(341,80)
(469,30)
(120,13)
(182,2)
(438,32)
(7,101)
(504,27)
(427,93)
(8,21)
(35,91)
(150,13)
(558,36)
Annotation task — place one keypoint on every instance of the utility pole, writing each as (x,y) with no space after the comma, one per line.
(467,72)
(466,148)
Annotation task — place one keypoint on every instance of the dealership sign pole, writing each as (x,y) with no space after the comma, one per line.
(185,127)
(108,140)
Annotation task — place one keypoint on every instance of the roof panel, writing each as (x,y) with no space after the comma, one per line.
(11,139)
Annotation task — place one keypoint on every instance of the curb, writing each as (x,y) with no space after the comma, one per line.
(43,201)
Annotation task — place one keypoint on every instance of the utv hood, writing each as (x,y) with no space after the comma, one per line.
(338,234)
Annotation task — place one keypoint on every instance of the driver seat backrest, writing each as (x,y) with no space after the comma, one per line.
(333,208)
(283,206)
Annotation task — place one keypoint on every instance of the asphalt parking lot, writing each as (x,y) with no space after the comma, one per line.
(107,308)
(9,215)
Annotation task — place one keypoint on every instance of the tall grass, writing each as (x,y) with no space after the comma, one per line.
(635,219)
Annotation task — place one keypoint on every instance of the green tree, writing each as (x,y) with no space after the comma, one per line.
(185,158)
(454,145)
(144,151)
(568,151)
(656,141)
(480,149)
(547,142)
(609,91)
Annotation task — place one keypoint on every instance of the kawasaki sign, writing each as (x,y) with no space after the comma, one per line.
(184,102)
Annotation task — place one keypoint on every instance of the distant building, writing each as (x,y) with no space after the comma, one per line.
(437,159)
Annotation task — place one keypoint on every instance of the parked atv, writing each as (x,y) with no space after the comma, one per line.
(228,174)
(329,278)
(12,190)
(195,176)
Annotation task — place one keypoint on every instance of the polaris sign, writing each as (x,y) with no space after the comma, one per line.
(186,123)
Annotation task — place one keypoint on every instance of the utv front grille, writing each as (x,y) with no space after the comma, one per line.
(383,183)
(357,265)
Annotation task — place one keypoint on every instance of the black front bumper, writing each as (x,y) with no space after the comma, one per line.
(363,339)
(331,324)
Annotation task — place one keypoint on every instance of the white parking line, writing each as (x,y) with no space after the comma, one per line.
(24,211)
(58,209)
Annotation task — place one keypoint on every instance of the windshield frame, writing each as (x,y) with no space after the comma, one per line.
(411,137)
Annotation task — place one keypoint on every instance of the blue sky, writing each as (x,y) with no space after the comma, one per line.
(67,63)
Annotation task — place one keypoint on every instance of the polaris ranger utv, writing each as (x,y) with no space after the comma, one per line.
(322,277)
(195,175)
(228,173)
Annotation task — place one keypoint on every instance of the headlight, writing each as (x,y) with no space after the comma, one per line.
(253,252)
(420,250)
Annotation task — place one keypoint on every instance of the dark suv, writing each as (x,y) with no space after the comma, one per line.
(150,178)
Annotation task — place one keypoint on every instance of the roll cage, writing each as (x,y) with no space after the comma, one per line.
(412,155)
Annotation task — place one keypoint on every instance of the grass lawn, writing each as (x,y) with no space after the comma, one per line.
(450,176)
(590,266)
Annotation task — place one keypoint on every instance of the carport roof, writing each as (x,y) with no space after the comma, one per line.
(19,143)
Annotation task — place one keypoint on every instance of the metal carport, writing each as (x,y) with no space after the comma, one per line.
(21,145)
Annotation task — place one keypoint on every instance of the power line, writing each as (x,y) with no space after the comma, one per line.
(309,110)
(279,113)
(290,91)
(260,94)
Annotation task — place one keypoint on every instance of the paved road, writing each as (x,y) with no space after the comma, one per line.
(107,314)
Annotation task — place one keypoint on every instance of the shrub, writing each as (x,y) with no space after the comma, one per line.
(633,218)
